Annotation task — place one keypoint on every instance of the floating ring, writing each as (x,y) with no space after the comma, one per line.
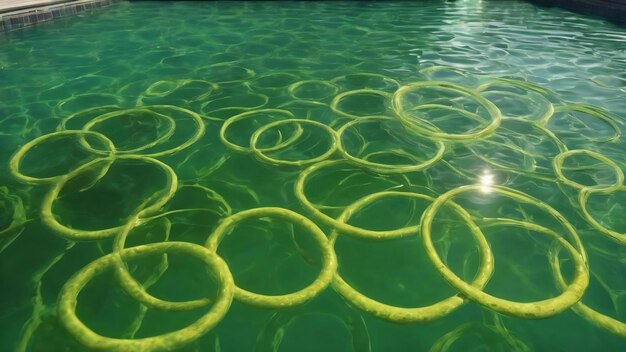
(66,308)
(260,152)
(136,290)
(171,127)
(246,115)
(340,226)
(421,314)
(329,261)
(388,80)
(334,105)
(593,111)
(492,109)
(380,235)
(198,133)
(49,220)
(598,319)
(16,159)
(295,86)
(548,109)
(385,168)
(532,310)
(97,112)
(557,162)
(583,198)
(531,169)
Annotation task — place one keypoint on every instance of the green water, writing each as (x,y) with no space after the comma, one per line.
(129,135)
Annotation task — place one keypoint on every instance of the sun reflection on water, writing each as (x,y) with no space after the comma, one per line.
(486,181)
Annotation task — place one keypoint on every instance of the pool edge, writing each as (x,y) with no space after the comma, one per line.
(33,15)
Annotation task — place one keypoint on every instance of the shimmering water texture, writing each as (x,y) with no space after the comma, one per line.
(313,177)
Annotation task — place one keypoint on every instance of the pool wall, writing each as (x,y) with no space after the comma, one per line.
(612,10)
(28,17)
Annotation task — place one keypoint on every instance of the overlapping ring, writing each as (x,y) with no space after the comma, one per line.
(531,310)
(558,170)
(66,308)
(434,132)
(260,153)
(421,314)
(385,168)
(329,261)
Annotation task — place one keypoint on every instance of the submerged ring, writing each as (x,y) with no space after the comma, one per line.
(260,152)
(557,162)
(329,261)
(492,110)
(16,159)
(198,132)
(171,127)
(334,105)
(531,310)
(385,168)
(596,318)
(47,217)
(593,111)
(342,227)
(583,198)
(421,314)
(245,115)
(66,307)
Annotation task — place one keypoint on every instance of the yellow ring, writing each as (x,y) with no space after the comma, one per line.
(260,152)
(385,168)
(66,307)
(47,217)
(16,159)
(329,261)
(531,310)
(412,315)
(494,112)
(557,162)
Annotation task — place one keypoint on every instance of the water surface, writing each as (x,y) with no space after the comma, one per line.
(493,127)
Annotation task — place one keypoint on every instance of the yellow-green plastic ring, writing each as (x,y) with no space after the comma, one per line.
(16,159)
(260,152)
(583,197)
(342,227)
(198,131)
(249,114)
(492,110)
(385,168)
(171,127)
(528,310)
(329,261)
(596,318)
(334,105)
(421,314)
(48,218)
(557,163)
(68,299)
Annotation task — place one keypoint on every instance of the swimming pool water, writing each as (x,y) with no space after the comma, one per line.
(423,176)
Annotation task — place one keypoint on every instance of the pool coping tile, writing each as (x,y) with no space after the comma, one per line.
(32,16)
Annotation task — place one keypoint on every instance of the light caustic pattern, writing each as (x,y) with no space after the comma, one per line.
(147,187)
